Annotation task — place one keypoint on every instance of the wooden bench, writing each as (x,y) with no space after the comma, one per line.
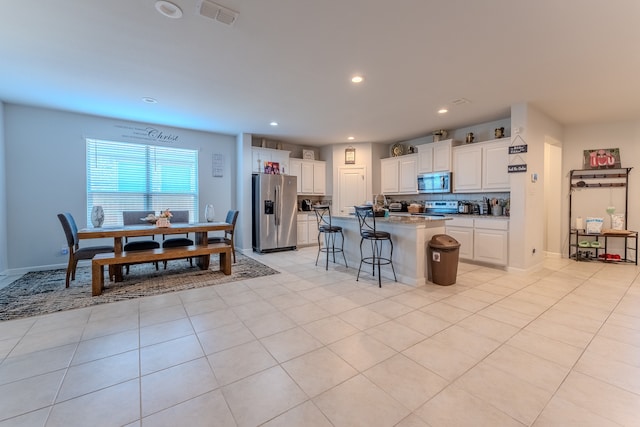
(152,255)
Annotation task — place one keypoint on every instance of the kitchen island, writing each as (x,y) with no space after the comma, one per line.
(410,236)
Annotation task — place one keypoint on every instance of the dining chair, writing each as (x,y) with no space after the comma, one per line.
(76,253)
(369,232)
(232,217)
(133,218)
(179,217)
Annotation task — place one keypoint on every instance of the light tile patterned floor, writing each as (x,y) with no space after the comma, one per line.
(309,347)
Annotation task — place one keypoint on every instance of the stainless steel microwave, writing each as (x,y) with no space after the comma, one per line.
(438,182)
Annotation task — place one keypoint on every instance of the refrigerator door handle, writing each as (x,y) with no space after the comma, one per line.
(277,207)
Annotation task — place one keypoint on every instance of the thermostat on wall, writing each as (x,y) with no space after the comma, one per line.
(308,155)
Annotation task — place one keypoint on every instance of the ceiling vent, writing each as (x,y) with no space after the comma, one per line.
(216,12)
(460,101)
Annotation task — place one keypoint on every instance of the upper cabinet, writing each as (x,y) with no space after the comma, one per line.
(261,155)
(481,167)
(312,175)
(435,157)
(399,174)
(495,163)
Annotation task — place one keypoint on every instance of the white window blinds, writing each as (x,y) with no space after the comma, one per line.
(123,176)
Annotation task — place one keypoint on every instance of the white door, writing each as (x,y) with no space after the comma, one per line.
(352,189)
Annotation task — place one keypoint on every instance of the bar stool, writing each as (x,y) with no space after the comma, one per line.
(323,215)
(368,231)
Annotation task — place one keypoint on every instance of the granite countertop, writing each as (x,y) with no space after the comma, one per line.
(475,216)
(402,219)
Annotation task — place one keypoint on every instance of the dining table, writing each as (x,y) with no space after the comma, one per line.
(200,229)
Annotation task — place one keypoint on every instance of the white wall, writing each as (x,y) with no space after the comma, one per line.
(244,201)
(46,166)
(526,225)
(364,157)
(553,199)
(3,197)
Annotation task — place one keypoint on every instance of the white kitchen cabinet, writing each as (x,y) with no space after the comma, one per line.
(467,168)
(481,167)
(295,168)
(435,157)
(491,241)
(319,177)
(495,162)
(312,176)
(307,229)
(461,229)
(389,177)
(484,240)
(464,236)
(398,175)
(261,155)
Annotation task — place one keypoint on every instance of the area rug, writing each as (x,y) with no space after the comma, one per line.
(43,292)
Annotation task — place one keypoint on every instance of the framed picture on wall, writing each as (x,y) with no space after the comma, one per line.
(350,156)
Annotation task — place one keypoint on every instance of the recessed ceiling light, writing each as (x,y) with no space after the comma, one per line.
(168,9)
(443,110)
(149,100)
(274,123)
(357,79)
(351,138)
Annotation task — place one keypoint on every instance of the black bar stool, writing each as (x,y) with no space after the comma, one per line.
(367,220)
(323,215)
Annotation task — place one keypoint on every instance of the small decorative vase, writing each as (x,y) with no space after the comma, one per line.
(209,213)
(163,222)
(97,216)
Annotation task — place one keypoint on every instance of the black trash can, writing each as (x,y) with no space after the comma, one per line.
(443,255)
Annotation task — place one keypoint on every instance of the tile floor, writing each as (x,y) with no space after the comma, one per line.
(308,347)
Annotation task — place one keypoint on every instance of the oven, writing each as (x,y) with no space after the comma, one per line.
(440,207)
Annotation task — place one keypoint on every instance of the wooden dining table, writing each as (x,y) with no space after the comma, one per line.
(200,230)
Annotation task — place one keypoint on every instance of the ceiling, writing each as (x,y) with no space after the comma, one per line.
(291,61)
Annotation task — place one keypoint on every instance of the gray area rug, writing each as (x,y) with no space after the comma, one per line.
(43,292)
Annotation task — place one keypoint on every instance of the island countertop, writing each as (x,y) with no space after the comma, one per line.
(403,218)
(410,235)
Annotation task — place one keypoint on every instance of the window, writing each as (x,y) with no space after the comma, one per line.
(123,176)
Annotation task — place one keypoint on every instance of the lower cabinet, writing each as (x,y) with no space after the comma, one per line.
(485,240)
(491,241)
(461,229)
(307,229)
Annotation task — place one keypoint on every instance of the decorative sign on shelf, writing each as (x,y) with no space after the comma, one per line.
(602,158)
(517,163)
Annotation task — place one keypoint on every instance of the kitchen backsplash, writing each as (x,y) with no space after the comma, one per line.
(466,197)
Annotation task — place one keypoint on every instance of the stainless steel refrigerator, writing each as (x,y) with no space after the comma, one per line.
(275,207)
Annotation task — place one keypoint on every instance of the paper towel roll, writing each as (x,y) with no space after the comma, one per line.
(579,223)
